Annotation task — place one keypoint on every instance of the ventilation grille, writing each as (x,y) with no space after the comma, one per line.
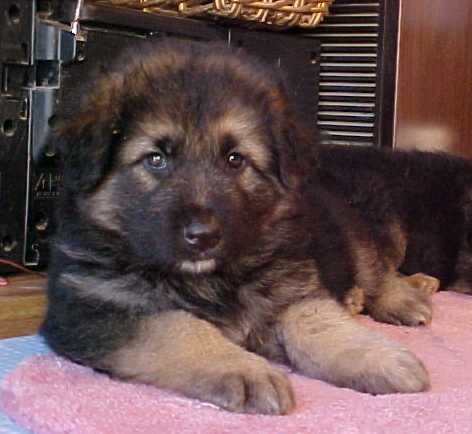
(350,38)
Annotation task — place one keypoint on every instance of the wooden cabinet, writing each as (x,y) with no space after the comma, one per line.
(22,305)
(434,81)
(397,73)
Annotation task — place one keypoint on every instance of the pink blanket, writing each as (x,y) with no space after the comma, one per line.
(50,395)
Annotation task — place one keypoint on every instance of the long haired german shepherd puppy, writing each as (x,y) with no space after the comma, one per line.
(194,241)
(428,194)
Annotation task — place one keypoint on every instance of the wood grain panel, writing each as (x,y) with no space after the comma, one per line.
(434,95)
(22,305)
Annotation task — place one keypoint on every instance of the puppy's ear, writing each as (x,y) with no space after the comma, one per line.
(87,141)
(298,139)
(87,154)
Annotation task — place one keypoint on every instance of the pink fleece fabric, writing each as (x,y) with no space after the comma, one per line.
(49,395)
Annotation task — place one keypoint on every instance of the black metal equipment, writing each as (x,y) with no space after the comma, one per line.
(47,50)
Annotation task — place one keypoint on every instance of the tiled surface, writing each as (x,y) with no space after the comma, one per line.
(12,352)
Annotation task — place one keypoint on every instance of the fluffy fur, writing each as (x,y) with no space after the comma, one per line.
(194,242)
(429,194)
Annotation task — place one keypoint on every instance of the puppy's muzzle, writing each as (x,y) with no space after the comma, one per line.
(202,233)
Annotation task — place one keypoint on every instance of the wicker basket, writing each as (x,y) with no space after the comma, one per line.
(281,13)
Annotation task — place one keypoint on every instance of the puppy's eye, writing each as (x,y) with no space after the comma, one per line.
(156,161)
(235,160)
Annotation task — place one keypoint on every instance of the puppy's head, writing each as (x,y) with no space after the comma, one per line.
(187,151)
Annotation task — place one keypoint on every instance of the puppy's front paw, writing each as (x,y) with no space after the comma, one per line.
(322,341)
(428,284)
(402,304)
(389,370)
(249,386)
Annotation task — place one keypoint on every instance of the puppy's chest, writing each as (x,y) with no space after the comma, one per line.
(254,324)
(257,332)
(247,312)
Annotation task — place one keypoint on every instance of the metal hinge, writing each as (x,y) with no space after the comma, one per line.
(17,78)
(31,51)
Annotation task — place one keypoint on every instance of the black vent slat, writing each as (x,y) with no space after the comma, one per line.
(349,76)
(337,9)
(348,67)
(348,136)
(358,20)
(340,86)
(351,142)
(349,38)
(356,2)
(355,127)
(347,97)
(362,107)
(346,29)
(346,56)
(349,47)
(345,116)
(369,8)
(352,3)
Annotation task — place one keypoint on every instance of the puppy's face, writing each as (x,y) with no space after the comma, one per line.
(192,155)
(189,192)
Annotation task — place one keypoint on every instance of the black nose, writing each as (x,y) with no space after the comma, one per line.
(203,233)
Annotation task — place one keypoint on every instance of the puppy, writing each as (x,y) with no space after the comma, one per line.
(428,194)
(194,240)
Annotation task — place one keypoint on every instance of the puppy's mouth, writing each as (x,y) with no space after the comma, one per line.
(204,266)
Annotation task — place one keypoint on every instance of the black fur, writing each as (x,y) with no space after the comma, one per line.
(430,193)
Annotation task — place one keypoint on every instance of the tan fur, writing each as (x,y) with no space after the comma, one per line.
(177,351)
(100,206)
(147,137)
(397,249)
(251,185)
(289,278)
(368,264)
(323,341)
(388,296)
(429,285)
(144,180)
(116,291)
(354,301)
(78,254)
(289,281)
(242,124)
(399,302)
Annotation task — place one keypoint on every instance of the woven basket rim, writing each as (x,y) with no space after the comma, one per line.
(277,13)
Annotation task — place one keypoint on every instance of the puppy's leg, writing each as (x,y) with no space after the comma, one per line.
(462,279)
(323,341)
(403,300)
(178,351)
